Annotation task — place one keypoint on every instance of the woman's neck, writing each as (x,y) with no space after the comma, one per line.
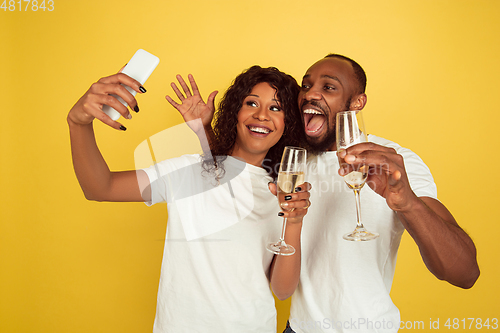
(247,157)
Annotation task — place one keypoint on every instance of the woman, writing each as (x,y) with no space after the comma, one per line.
(221,214)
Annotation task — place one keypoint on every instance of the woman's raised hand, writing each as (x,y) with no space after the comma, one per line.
(89,106)
(191,105)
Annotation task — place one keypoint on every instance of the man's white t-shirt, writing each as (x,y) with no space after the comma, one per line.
(215,269)
(344,286)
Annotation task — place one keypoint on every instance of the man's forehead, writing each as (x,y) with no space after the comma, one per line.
(332,67)
(324,76)
(335,69)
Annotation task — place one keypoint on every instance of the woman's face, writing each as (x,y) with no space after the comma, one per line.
(261,123)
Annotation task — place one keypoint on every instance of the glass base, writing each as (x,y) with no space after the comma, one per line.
(360,234)
(280,248)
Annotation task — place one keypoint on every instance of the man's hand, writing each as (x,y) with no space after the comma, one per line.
(447,251)
(386,174)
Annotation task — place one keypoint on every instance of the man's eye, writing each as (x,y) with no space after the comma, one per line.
(329,88)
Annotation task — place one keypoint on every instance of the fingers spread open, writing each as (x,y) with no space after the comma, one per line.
(184,86)
(172,102)
(177,91)
(194,86)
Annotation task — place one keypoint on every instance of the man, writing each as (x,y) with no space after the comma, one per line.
(344,286)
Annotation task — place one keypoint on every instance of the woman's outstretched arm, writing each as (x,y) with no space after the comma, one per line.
(96,180)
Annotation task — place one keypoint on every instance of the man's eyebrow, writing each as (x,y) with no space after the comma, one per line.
(331,77)
(325,76)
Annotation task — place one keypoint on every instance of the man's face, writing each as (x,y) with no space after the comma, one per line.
(328,87)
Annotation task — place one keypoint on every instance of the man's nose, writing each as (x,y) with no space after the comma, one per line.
(312,94)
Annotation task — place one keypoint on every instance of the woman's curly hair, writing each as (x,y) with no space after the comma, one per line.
(226,117)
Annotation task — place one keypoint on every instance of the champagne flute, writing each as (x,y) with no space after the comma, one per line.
(351,131)
(291,174)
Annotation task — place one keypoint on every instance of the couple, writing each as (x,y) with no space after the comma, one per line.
(220,281)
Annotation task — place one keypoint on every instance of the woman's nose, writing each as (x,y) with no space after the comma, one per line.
(262,114)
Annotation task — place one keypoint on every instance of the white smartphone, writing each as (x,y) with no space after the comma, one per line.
(140,68)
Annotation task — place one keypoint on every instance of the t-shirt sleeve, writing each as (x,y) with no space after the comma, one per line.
(158,184)
(419,175)
(167,177)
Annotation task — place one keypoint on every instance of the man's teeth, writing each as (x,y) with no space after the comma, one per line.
(312,111)
(259,129)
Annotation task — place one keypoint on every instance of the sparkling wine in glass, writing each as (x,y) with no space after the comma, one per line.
(351,131)
(291,174)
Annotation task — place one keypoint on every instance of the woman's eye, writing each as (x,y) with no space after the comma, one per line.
(251,103)
(305,86)
(275,108)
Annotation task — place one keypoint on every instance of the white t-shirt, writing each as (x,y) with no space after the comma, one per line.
(344,285)
(215,269)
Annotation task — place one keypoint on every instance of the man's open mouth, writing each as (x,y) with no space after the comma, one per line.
(314,121)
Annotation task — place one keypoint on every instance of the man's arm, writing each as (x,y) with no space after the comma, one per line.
(447,251)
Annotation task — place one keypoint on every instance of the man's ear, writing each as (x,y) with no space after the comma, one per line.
(359,102)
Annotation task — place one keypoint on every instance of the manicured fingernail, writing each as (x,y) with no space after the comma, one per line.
(141,88)
(298,189)
(136,108)
(288,197)
(129,116)
(281,214)
(123,128)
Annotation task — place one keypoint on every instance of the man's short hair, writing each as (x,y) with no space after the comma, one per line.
(359,73)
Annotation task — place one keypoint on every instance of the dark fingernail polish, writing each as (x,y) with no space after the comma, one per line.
(281,214)
(136,108)
(123,128)
(288,197)
(141,88)
(298,189)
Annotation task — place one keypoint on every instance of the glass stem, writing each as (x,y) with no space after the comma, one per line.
(282,238)
(358,208)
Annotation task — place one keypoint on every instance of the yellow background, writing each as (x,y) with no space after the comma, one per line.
(69,265)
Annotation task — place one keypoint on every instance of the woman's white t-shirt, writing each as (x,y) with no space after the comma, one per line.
(215,269)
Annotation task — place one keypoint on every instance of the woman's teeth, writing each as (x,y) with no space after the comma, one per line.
(259,129)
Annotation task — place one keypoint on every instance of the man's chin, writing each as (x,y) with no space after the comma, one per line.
(317,145)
